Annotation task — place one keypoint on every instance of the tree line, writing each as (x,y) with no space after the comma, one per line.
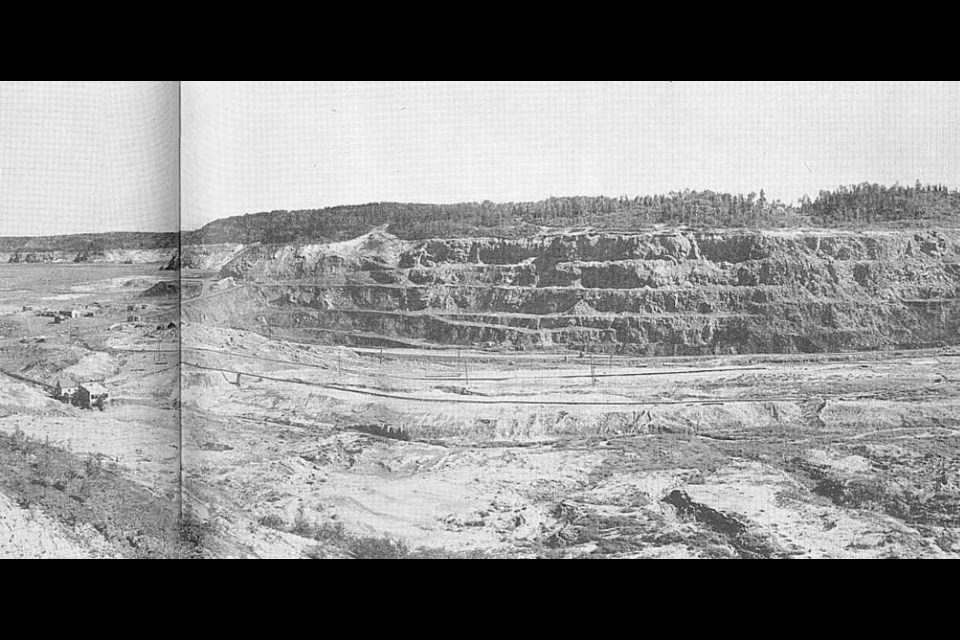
(848,206)
(873,203)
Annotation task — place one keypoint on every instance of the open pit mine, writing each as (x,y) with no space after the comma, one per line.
(669,393)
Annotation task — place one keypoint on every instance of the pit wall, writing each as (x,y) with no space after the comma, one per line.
(672,293)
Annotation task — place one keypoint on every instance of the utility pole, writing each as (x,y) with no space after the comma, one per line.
(539,400)
(943,318)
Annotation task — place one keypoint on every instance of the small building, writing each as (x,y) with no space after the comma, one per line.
(65,390)
(90,314)
(131,307)
(91,396)
(28,308)
(133,319)
(86,395)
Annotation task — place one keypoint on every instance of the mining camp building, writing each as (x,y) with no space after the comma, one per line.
(91,396)
(65,390)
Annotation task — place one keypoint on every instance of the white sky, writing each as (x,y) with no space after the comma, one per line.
(91,156)
(256,146)
(80,157)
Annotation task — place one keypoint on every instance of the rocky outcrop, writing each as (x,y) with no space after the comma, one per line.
(117,256)
(204,257)
(124,247)
(655,293)
(174,264)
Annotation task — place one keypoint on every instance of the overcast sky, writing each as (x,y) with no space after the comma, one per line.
(257,146)
(78,157)
(81,157)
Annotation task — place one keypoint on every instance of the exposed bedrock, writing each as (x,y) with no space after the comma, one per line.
(128,256)
(657,293)
(204,258)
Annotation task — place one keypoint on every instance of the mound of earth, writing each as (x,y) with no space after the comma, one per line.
(163,289)
(137,283)
(95,366)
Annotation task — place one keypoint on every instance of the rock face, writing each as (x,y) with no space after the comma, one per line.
(126,247)
(120,256)
(174,264)
(657,293)
(203,257)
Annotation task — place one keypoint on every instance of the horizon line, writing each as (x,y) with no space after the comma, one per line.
(181,231)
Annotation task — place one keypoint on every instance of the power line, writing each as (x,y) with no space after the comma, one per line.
(462,400)
(569,376)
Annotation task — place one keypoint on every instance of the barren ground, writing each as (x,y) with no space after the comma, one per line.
(80,483)
(320,451)
(303,450)
(515,397)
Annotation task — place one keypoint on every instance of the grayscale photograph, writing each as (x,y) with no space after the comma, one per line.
(479,320)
